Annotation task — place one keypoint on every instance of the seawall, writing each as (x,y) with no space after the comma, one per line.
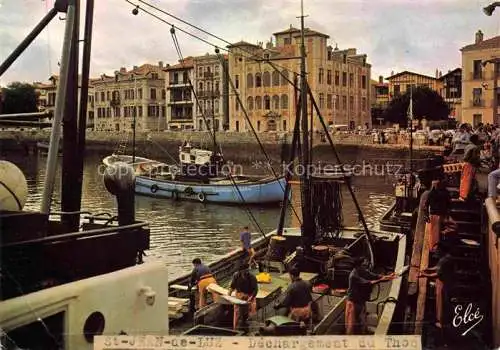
(238,147)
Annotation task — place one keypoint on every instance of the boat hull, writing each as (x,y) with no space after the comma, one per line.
(259,191)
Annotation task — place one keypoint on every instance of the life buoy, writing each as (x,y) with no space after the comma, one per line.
(201,197)
(154,188)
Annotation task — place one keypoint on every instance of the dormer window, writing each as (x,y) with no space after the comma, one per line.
(266,56)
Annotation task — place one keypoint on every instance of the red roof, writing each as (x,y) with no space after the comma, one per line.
(493,43)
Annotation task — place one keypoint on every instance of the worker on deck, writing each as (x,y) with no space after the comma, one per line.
(437,208)
(245,286)
(202,276)
(360,286)
(246,242)
(298,298)
(444,274)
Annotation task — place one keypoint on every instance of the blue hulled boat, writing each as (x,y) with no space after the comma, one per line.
(201,176)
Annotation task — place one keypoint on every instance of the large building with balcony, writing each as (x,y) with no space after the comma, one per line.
(179,96)
(46,98)
(211,105)
(339,80)
(480,80)
(451,92)
(137,94)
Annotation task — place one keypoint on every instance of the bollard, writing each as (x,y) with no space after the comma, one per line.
(119,179)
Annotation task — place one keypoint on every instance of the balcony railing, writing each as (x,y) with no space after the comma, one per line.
(479,103)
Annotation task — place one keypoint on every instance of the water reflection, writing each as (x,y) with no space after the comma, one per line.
(184,230)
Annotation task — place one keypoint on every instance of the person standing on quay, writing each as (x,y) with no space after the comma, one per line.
(437,209)
(246,242)
(472,161)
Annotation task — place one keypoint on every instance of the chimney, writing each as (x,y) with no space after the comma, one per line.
(437,73)
(479,36)
(440,74)
(123,70)
(392,72)
(135,67)
(380,79)
(160,64)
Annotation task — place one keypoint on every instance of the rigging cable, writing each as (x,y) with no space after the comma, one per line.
(268,160)
(249,212)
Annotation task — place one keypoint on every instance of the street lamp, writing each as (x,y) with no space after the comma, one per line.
(488,10)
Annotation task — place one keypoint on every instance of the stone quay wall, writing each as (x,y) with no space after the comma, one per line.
(238,147)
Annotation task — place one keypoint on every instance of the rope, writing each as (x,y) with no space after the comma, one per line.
(327,206)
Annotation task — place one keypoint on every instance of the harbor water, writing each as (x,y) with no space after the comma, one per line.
(182,230)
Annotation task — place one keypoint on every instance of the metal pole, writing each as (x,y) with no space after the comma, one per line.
(70,201)
(134,119)
(308,233)
(84,93)
(28,40)
(496,70)
(50,173)
(411,130)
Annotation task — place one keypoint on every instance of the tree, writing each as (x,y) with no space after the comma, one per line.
(427,104)
(19,98)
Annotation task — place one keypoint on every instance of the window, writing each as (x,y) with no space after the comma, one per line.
(267,102)
(321,100)
(107,95)
(397,90)
(200,86)
(216,70)
(216,106)
(154,76)
(176,78)
(153,111)
(200,124)
(477,119)
(287,41)
(200,72)
(237,106)
(258,80)
(477,72)
(153,94)
(249,80)
(321,75)
(276,102)
(363,103)
(237,81)
(351,103)
(208,70)
(284,77)
(237,125)
(258,103)
(329,101)
(363,81)
(139,93)
(276,78)
(163,94)
(337,78)
(250,103)
(344,78)
(266,79)
(351,80)
(344,102)
(258,125)
(329,77)
(185,78)
(139,111)
(476,97)
(96,96)
(284,125)
(284,101)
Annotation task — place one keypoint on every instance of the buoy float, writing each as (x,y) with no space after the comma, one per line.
(201,197)
(13,187)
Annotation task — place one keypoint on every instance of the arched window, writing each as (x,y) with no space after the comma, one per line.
(266,79)
(284,73)
(276,102)
(276,78)
(249,80)
(258,102)
(284,101)
(267,102)
(258,80)
(250,103)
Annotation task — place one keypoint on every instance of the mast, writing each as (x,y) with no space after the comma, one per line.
(134,115)
(410,120)
(308,233)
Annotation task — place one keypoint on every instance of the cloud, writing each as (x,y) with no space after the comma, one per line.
(395,34)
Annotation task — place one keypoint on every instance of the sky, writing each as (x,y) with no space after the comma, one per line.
(397,35)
